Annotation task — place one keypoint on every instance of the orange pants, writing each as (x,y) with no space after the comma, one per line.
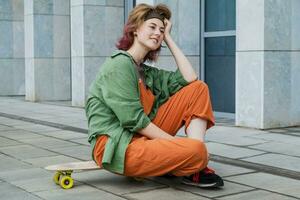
(180,156)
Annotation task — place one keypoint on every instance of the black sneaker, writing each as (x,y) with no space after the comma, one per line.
(167,175)
(206,178)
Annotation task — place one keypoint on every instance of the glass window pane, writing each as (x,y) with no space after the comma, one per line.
(220,72)
(219,15)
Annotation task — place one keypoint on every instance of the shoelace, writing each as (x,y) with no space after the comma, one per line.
(206,170)
(196,177)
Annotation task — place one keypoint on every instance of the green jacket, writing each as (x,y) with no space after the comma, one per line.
(113,106)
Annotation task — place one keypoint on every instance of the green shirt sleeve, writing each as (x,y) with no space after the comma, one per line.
(173,81)
(121,94)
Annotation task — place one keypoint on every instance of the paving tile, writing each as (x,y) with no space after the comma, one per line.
(13,122)
(59,103)
(116,184)
(70,122)
(278,147)
(48,142)
(56,119)
(66,135)
(78,124)
(37,116)
(50,160)
(79,151)
(24,174)
(7,142)
(23,152)
(82,141)
(7,163)
(269,182)
(18,134)
(167,193)
(258,194)
(278,130)
(287,139)
(47,117)
(225,121)
(294,133)
(78,192)
(230,151)
(4,127)
(232,139)
(38,184)
(14,193)
(36,128)
(229,188)
(224,170)
(234,131)
(294,129)
(75,116)
(276,160)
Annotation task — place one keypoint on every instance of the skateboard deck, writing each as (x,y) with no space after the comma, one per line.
(64,171)
(85,165)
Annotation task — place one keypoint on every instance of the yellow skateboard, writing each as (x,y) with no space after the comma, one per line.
(64,171)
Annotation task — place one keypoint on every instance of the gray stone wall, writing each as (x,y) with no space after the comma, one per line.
(267,63)
(12,70)
(47,55)
(95,28)
(56,33)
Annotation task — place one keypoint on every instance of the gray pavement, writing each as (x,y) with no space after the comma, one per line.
(255,164)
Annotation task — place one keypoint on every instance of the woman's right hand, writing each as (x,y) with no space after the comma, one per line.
(168,26)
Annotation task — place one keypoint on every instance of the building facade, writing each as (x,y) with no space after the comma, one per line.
(247,51)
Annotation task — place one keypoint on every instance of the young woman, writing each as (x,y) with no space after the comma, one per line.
(134,110)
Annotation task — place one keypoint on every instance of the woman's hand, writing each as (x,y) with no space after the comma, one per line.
(168,26)
(182,62)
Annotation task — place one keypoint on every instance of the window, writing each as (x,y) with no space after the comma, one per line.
(218,52)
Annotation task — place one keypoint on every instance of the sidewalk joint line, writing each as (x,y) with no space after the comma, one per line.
(41,122)
(258,167)
(263,189)
(235,193)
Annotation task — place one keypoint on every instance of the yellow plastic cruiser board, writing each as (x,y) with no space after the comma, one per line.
(64,171)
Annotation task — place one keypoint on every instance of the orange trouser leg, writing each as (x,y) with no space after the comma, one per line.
(190,102)
(180,156)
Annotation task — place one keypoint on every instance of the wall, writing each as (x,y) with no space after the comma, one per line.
(268,63)
(12,69)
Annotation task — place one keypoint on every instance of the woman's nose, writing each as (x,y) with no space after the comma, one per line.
(157,32)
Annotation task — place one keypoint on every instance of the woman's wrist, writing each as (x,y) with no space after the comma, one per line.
(167,38)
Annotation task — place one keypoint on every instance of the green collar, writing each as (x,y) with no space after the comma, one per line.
(118,52)
(122,52)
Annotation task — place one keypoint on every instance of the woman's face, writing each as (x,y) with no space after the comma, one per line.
(151,34)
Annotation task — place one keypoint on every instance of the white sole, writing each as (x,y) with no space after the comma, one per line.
(202,185)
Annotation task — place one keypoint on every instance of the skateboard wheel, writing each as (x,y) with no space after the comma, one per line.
(56,177)
(66,182)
